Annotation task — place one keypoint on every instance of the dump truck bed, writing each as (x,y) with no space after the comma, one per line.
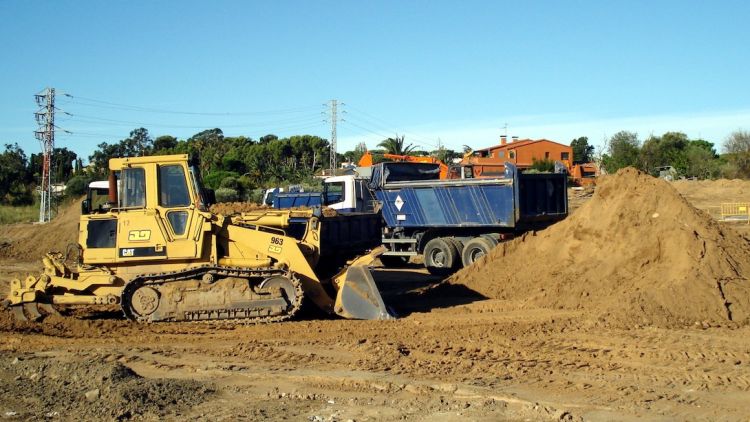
(510,202)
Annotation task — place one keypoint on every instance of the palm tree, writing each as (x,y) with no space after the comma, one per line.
(396,146)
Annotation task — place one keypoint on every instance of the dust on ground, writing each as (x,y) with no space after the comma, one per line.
(524,356)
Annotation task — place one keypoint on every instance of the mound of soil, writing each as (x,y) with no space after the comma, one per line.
(637,253)
(232,208)
(30,241)
(95,387)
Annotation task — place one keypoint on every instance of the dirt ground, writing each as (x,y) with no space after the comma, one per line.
(452,356)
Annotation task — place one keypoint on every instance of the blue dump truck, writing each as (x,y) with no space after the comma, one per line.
(450,222)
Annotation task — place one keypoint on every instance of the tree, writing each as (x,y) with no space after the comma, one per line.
(445,155)
(210,147)
(15,177)
(582,151)
(702,160)
(737,147)
(622,151)
(77,185)
(140,142)
(164,144)
(62,161)
(396,146)
(355,155)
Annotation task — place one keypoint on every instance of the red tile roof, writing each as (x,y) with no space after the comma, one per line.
(516,144)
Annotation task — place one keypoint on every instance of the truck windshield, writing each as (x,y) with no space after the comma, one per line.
(334,192)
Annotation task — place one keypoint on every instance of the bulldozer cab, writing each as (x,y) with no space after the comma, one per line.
(157,213)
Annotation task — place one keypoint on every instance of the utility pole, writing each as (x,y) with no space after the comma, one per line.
(45,118)
(334,119)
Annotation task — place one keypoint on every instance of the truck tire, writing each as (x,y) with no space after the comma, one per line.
(459,247)
(393,261)
(475,249)
(494,238)
(440,256)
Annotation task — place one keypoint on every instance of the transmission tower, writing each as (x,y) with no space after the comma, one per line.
(334,119)
(45,118)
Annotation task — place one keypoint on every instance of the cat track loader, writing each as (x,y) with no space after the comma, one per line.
(155,250)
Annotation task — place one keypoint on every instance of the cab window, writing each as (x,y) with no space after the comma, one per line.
(134,187)
(173,189)
(334,192)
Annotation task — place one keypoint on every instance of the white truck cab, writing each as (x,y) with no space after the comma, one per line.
(348,194)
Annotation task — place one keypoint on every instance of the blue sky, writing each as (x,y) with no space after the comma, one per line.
(454,72)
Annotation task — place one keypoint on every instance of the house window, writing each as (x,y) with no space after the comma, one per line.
(512,155)
(501,154)
(565,156)
(546,155)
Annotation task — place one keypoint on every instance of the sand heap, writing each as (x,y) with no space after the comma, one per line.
(27,241)
(232,208)
(637,253)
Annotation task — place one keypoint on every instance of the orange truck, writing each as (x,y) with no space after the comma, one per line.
(367,160)
(584,174)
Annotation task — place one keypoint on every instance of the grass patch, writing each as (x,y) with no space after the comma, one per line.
(21,214)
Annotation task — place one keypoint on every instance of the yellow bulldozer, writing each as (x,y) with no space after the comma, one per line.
(154,249)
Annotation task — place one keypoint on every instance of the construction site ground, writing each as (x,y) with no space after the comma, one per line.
(449,356)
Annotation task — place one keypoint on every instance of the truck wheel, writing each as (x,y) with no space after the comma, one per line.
(459,247)
(393,260)
(440,256)
(494,238)
(475,249)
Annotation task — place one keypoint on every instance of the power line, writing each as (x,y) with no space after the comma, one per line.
(373,119)
(92,102)
(116,122)
(349,122)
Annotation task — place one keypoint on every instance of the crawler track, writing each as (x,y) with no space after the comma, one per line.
(235,294)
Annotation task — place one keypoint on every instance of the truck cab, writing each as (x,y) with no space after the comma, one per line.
(97,196)
(348,194)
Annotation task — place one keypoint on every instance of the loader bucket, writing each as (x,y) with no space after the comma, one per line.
(358,296)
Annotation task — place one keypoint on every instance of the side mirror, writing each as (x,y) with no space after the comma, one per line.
(85,209)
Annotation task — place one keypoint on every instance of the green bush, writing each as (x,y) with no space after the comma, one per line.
(227,195)
(214,178)
(543,166)
(77,186)
(230,182)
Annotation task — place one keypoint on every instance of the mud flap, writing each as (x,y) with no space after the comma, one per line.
(358,296)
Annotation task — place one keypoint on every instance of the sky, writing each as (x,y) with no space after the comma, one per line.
(437,72)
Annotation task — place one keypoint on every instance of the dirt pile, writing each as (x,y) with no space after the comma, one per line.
(30,241)
(637,253)
(96,387)
(231,208)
